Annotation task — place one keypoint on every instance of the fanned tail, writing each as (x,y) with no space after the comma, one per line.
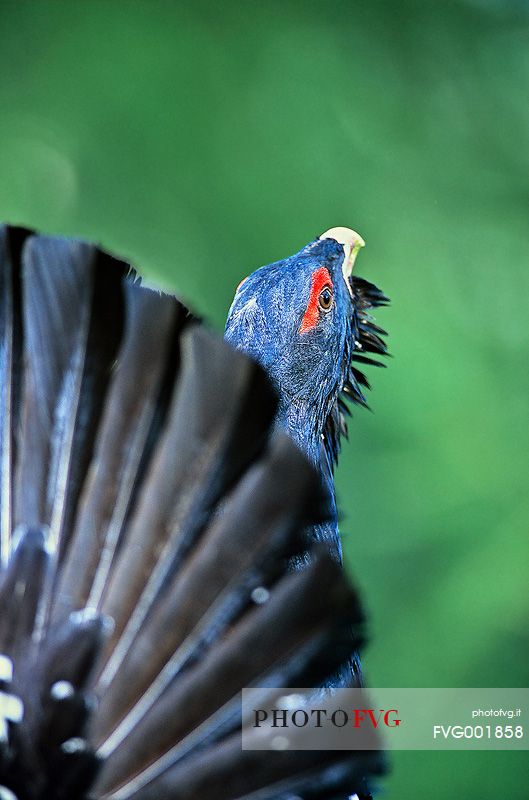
(147,518)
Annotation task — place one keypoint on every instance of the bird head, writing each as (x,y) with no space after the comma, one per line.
(305,320)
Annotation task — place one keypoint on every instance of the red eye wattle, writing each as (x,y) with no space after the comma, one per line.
(320,299)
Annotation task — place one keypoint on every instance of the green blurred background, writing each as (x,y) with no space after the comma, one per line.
(203,140)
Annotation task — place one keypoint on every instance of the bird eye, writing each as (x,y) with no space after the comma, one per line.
(325,298)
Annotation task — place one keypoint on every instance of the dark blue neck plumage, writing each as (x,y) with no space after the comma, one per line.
(306,427)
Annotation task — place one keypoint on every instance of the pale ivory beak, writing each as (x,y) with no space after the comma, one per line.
(351,243)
